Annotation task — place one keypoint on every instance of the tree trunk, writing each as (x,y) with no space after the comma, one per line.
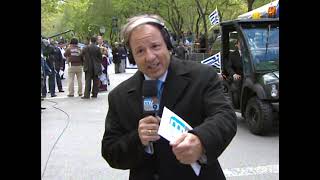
(174,19)
(250,3)
(197,25)
(177,19)
(204,23)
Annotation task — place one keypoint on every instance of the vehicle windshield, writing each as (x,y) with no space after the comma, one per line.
(263,44)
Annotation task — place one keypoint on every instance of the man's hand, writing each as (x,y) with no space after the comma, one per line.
(236,77)
(148,129)
(187,148)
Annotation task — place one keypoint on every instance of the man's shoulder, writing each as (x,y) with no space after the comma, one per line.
(188,64)
(126,85)
(192,68)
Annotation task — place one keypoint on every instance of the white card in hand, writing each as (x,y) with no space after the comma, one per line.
(171,125)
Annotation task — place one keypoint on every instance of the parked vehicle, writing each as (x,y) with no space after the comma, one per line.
(258,100)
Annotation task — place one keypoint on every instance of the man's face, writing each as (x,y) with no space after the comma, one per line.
(238,45)
(149,51)
(99,40)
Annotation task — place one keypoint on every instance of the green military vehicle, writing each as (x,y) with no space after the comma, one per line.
(258,100)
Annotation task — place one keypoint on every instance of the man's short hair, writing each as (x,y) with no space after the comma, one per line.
(74,41)
(138,21)
(93,39)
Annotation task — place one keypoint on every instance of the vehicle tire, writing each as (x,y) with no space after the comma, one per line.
(259,116)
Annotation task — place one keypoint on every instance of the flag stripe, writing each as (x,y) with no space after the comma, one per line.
(216,56)
(214,17)
(213,60)
(210,59)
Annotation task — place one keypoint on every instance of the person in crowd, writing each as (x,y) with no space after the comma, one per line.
(104,76)
(110,59)
(181,51)
(173,38)
(50,53)
(46,71)
(75,65)
(92,59)
(202,43)
(61,46)
(106,55)
(189,38)
(122,55)
(116,58)
(110,56)
(234,65)
(100,42)
(234,68)
(190,89)
(59,64)
(43,76)
(182,37)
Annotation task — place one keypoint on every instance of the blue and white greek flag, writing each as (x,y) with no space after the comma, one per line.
(214,17)
(213,60)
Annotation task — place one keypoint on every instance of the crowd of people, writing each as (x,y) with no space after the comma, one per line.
(186,43)
(92,61)
(57,55)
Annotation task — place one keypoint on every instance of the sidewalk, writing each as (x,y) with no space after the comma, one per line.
(71,134)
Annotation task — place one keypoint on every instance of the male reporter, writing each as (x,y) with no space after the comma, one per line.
(191,90)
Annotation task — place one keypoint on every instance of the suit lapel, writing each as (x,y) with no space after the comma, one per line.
(175,84)
(134,97)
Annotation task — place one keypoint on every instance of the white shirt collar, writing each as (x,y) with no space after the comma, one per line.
(161,78)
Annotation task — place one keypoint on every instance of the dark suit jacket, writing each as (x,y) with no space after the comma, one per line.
(92,59)
(234,64)
(191,90)
(55,61)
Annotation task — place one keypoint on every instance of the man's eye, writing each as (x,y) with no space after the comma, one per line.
(139,51)
(156,46)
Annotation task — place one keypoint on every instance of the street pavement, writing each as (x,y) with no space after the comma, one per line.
(71,134)
(72,130)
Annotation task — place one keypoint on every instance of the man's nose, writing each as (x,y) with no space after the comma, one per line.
(150,55)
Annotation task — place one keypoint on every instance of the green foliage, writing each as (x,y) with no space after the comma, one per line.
(85,15)
(259,3)
(49,11)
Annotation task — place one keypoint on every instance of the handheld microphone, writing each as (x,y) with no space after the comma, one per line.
(150,101)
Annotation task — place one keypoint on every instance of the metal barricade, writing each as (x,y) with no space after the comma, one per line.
(197,56)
